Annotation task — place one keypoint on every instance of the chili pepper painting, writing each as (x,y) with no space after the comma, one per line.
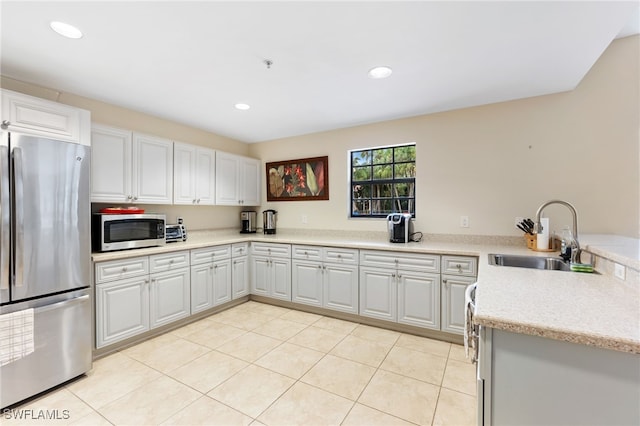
(295,180)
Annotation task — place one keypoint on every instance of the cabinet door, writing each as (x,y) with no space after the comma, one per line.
(340,287)
(227,179)
(122,310)
(281,279)
(184,167)
(205,176)
(169,297)
(221,281)
(152,169)
(201,288)
(110,165)
(378,293)
(40,117)
(260,276)
(240,277)
(453,288)
(419,299)
(249,182)
(306,282)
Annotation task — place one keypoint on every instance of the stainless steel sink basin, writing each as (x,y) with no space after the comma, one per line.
(531,262)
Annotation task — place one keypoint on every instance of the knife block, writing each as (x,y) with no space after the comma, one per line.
(532,241)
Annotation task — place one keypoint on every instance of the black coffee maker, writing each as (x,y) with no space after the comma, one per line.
(400,227)
(248,219)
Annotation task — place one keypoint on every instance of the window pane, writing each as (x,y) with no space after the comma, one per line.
(382,207)
(361,208)
(402,190)
(361,191)
(361,173)
(383,155)
(361,158)
(382,190)
(405,205)
(405,153)
(383,172)
(405,170)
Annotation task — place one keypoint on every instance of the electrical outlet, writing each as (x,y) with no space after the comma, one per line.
(179,220)
(619,271)
(464,221)
(304,219)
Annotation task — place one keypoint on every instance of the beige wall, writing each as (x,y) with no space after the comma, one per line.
(496,162)
(491,163)
(200,217)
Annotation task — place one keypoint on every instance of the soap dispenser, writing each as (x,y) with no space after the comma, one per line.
(565,244)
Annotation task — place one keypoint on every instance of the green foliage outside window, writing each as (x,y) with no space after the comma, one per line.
(383,181)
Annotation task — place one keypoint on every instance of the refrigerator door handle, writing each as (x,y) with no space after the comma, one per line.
(18,216)
(4,218)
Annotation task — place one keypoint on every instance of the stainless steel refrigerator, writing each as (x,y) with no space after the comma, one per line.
(45,263)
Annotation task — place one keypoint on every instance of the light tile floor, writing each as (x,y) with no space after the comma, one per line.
(257,364)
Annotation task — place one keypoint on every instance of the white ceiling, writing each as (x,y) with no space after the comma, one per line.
(192,61)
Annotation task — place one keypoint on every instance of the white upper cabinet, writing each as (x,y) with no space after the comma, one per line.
(130,167)
(40,117)
(152,169)
(194,175)
(111,164)
(237,180)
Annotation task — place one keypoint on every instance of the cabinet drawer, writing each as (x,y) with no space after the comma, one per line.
(340,255)
(459,265)
(168,261)
(239,249)
(209,254)
(306,252)
(400,260)
(271,249)
(120,269)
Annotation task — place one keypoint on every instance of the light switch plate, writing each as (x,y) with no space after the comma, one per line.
(464,221)
(619,271)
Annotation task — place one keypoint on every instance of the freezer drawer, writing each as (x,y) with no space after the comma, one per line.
(62,343)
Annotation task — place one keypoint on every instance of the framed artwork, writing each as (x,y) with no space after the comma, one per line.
(297,180)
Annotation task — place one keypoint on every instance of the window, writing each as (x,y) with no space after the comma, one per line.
(383,181)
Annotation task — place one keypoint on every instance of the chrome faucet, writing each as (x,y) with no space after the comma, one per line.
(575,245)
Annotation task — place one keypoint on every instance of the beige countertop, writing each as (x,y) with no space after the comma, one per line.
(590,309)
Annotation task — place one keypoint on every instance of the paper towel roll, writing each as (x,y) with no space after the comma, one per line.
(543,238)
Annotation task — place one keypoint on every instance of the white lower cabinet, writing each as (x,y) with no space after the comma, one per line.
(325,277)
(137,294)
(400,287)
(458,272)
(453,288)
(271,270)
(169,297)
(210,277)
(419,299)
(122,309)
(239,270)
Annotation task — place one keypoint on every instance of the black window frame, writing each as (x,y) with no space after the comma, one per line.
(390,184)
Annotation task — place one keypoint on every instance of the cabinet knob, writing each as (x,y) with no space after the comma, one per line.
(124,269)
(5,124)
(444,281)
(339,256)
(459,266)
(135,198)
(171,260)
(129,197)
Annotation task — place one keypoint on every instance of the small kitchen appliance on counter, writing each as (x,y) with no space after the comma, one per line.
(126,231)
(248,219)
(177,232)
(400,227)
(269,221)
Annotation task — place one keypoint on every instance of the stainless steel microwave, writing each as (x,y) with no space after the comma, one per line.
(126,231)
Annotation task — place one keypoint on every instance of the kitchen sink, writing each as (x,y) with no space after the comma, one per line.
(531,262)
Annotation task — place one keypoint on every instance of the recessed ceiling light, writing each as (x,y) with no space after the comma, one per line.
(242,107)
(65,30)
(380,72)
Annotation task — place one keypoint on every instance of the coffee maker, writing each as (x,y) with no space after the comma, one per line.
(400,227)
(269,221)
(248,219)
